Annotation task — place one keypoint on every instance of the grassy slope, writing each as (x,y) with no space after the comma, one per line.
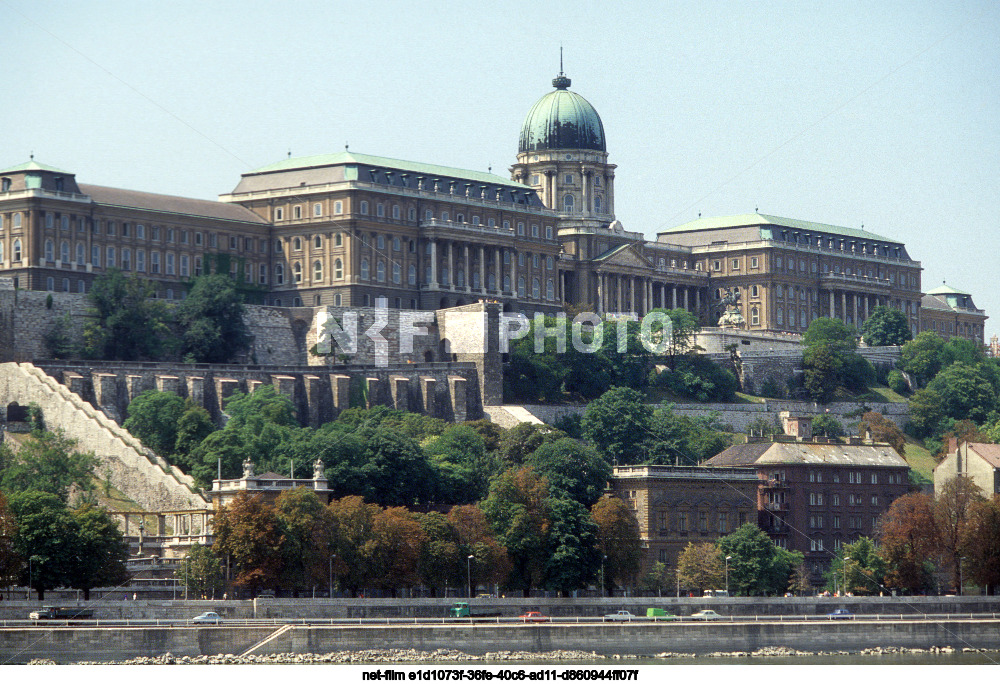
(921,461)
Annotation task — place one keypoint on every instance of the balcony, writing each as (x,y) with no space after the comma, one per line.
(776,507)
(773,484)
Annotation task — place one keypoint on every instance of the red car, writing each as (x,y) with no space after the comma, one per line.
(534,616)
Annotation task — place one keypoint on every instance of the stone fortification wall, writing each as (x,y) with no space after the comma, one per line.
(27,315)
(445,390)
(136,471)
(715,340)
(737,416)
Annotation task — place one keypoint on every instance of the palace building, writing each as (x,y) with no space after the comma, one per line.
(351,229)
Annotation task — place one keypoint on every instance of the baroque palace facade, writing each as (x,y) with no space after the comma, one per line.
(351,229)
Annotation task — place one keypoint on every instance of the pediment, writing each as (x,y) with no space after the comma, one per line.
(627,256)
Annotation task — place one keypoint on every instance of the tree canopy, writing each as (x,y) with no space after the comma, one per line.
(212,318)
(886,326)
(130,325)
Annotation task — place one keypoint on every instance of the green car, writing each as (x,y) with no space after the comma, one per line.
(659,614)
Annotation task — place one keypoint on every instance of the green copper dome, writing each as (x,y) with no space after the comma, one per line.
(562,120)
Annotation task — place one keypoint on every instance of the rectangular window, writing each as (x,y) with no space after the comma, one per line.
(111,257)
(170,264)
(736,264)
(213,240)
(753,262)
(154,262)
(836,522)
(661,520)
(682,522)
(140,232)
(185,265)
(140,260)
(184,237)
(233,242)
(702,521)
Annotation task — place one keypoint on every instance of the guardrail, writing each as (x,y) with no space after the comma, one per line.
(512,621)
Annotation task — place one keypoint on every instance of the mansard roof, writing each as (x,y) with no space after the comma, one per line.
(169,204)
(808,453)
(743,220)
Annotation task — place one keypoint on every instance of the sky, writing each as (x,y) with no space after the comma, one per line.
(875,114)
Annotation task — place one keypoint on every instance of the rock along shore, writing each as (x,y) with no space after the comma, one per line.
(444,656)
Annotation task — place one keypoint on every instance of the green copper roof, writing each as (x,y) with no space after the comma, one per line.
(562,120)
(346,157)
(716,222)
(945,289)
(32,166)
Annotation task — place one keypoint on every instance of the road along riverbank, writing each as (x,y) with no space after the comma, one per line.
(76,644)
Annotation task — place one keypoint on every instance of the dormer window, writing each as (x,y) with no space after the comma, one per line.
(59,183)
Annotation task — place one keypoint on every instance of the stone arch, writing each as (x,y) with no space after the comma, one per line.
(17,413)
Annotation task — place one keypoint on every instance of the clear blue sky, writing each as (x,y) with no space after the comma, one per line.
(850,113)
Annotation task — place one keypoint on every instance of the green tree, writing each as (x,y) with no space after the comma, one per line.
(701,566)
(246,530)
(966,392)
(102,552)
(490,563)
(757,567)
(47,539)
(952,507)
(263,405)
(679,440)
(10,561)
(441,561)
(212,318)
(462,464)
(194,425)
(822,367)
(353,542)
(618,540)
(394,470)
(130,324)
(519,442)
(572,469)
(831,331)
(201,571)
(617,423)
(684,328)
(921,357)
(926,412)
(658,580)
(153,417)
(886,326)
(825,424)
(397,540)
(517,510)
(571,556)
(46,462)
(865,567)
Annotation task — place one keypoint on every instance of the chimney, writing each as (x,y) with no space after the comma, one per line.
(952,444)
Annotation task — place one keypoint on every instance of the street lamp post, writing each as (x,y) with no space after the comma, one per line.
(468,567)
(728,558)
(603,558)
(846,558)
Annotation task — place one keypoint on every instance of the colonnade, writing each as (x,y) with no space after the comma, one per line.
(618,292)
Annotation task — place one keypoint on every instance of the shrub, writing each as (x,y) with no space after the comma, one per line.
(897,383)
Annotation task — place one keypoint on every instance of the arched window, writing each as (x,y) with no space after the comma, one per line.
(16,256)
(549,263)
(81,254)
(535,288)
(520,286)
(17,220)
(338,269)
(754,316)
(397,272)
(81,286)
(380,209)
(754,291)
(411,275)
(279,275)
(64,251)
(781,317)
(395,211)
(338,239)
(445,216)
(297,244)
(520,228)
(411,214)
(506,283)
(64,224)
(50,250)
(364,269)
(297,272)
(317,271)
(380,271)
(491,282)
(317,241)
(380,241)
(568,204)
(50,284)
(396,244)
(364,207)
(261,272)
(550,289)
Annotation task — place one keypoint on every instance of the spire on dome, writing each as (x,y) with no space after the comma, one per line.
(561,82)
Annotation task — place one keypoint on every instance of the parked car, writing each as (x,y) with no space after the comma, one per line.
(534,616)
(208,617)
(620,616)
(659,614)
(841,614)
(706,615)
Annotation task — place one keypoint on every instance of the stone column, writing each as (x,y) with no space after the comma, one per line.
(498,270)
(457,387)
(600,293)
(451,266)
(843,306)
(340,386)
(434,264)
(196,390)
(686,308)
(673,290)
(468,271)
(833,305)
(697,299)
(585,184)
(312,399)
(482,269)
(513,272)
(400,389)
(618,293)
(168,383)
(854,298)
(867,297)
(611,193)
(372,387)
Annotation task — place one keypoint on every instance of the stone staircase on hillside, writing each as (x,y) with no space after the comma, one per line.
(136,471)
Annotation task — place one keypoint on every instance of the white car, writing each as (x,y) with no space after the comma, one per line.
(620,616)
(209,618)
(706,615)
